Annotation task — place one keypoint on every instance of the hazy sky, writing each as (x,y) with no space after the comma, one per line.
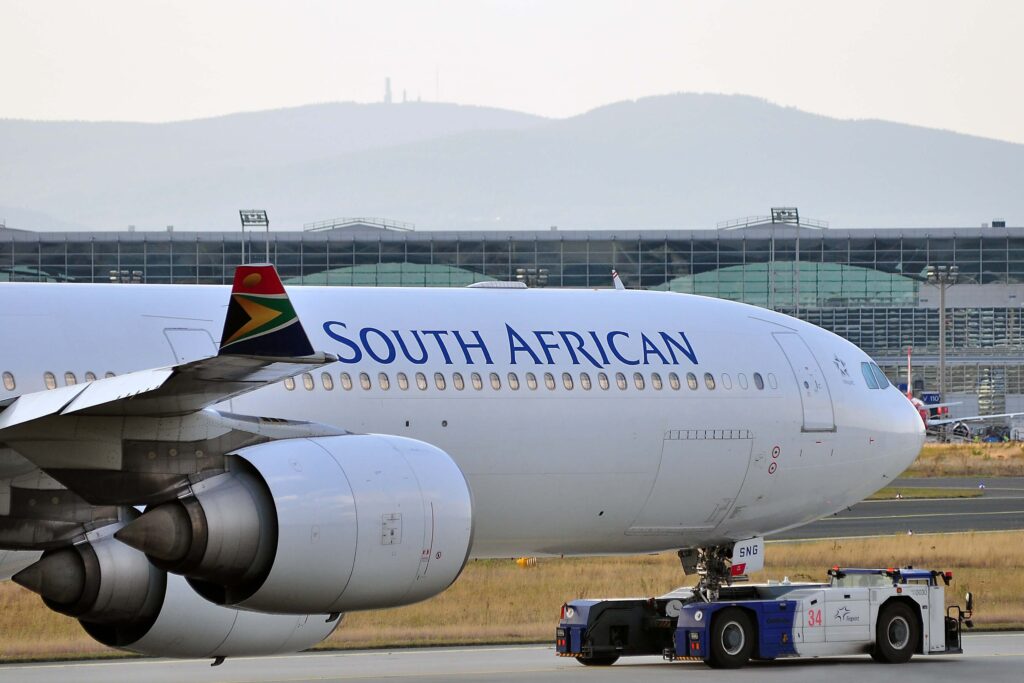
(937,63)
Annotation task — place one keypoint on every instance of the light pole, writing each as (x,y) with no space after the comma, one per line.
(944,277)
(254,218)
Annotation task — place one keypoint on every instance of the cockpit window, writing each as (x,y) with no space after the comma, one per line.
(880,377)
(869,376)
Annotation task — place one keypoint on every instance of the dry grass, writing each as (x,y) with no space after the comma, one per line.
(969,460)
(496,601)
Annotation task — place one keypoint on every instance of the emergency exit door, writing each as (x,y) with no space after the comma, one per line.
(814,393)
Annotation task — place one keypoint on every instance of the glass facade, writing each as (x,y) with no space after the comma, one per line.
(755,263)
(866,285)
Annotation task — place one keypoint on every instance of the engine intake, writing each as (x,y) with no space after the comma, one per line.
(326,524)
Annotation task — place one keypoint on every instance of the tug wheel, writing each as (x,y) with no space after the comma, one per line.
(896,634)
(732,639)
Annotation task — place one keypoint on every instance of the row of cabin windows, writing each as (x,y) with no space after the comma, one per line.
(50,379)
(569,381)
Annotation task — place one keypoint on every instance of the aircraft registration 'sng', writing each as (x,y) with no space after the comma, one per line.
(349,449)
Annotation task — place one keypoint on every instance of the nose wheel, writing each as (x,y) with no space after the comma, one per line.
(712,564)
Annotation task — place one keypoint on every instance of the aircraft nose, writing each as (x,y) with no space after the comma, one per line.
(905,431)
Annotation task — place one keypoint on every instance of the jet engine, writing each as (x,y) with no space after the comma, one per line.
(317,525)
(123,601)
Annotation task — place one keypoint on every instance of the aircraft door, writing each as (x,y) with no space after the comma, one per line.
(190,344)
(697,481)
(814,392)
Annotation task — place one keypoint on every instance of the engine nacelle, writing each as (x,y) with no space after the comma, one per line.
(326,524)
(123,601)
(190,626)
(100,581)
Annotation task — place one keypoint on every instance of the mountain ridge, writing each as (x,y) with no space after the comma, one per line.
(684,160)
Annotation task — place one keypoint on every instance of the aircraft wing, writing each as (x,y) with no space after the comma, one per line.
(972,418)
(263,342)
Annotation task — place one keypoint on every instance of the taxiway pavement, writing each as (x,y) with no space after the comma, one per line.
(993,658)
(1000,508)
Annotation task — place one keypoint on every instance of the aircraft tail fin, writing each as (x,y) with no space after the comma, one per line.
(261,320)
(616,280)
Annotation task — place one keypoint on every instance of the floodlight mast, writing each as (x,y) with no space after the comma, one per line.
(254,218)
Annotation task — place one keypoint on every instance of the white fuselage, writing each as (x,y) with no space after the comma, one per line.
(552,470)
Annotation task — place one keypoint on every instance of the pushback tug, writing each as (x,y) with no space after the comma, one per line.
(890,614)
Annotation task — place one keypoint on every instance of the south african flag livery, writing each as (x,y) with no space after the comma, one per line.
(261,320)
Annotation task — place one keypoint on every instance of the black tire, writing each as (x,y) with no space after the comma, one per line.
(896,634)
(732,639)
(606,660)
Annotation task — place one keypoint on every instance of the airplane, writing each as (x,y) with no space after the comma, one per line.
(346,449)
(961,428)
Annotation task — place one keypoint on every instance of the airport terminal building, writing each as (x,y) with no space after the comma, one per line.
(869,286)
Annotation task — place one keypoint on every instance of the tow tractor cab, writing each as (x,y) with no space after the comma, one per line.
(890,614)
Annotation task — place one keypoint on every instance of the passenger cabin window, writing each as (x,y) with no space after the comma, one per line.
(758,381)
(709,380)
(691,381)
(772,382)
(638,380)
(9,384)
(108,373)
(673,381)
(513,381)
(656,381)
(549,381)
(458,382)
(70,379)
(531,381)
(289,383)
(90,376)
(421,381)
(620,381)
(307,381)
(346,381)
(327,380)
(602,381)
(49,380)
(726,381)
(495,381)
(364,380)
(567,380)
(384,381)
(585,381)
(869,376)
(478,382)
(742,379)
(439,380)
(403,381)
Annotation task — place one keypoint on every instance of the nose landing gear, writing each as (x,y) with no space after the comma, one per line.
(713,564)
